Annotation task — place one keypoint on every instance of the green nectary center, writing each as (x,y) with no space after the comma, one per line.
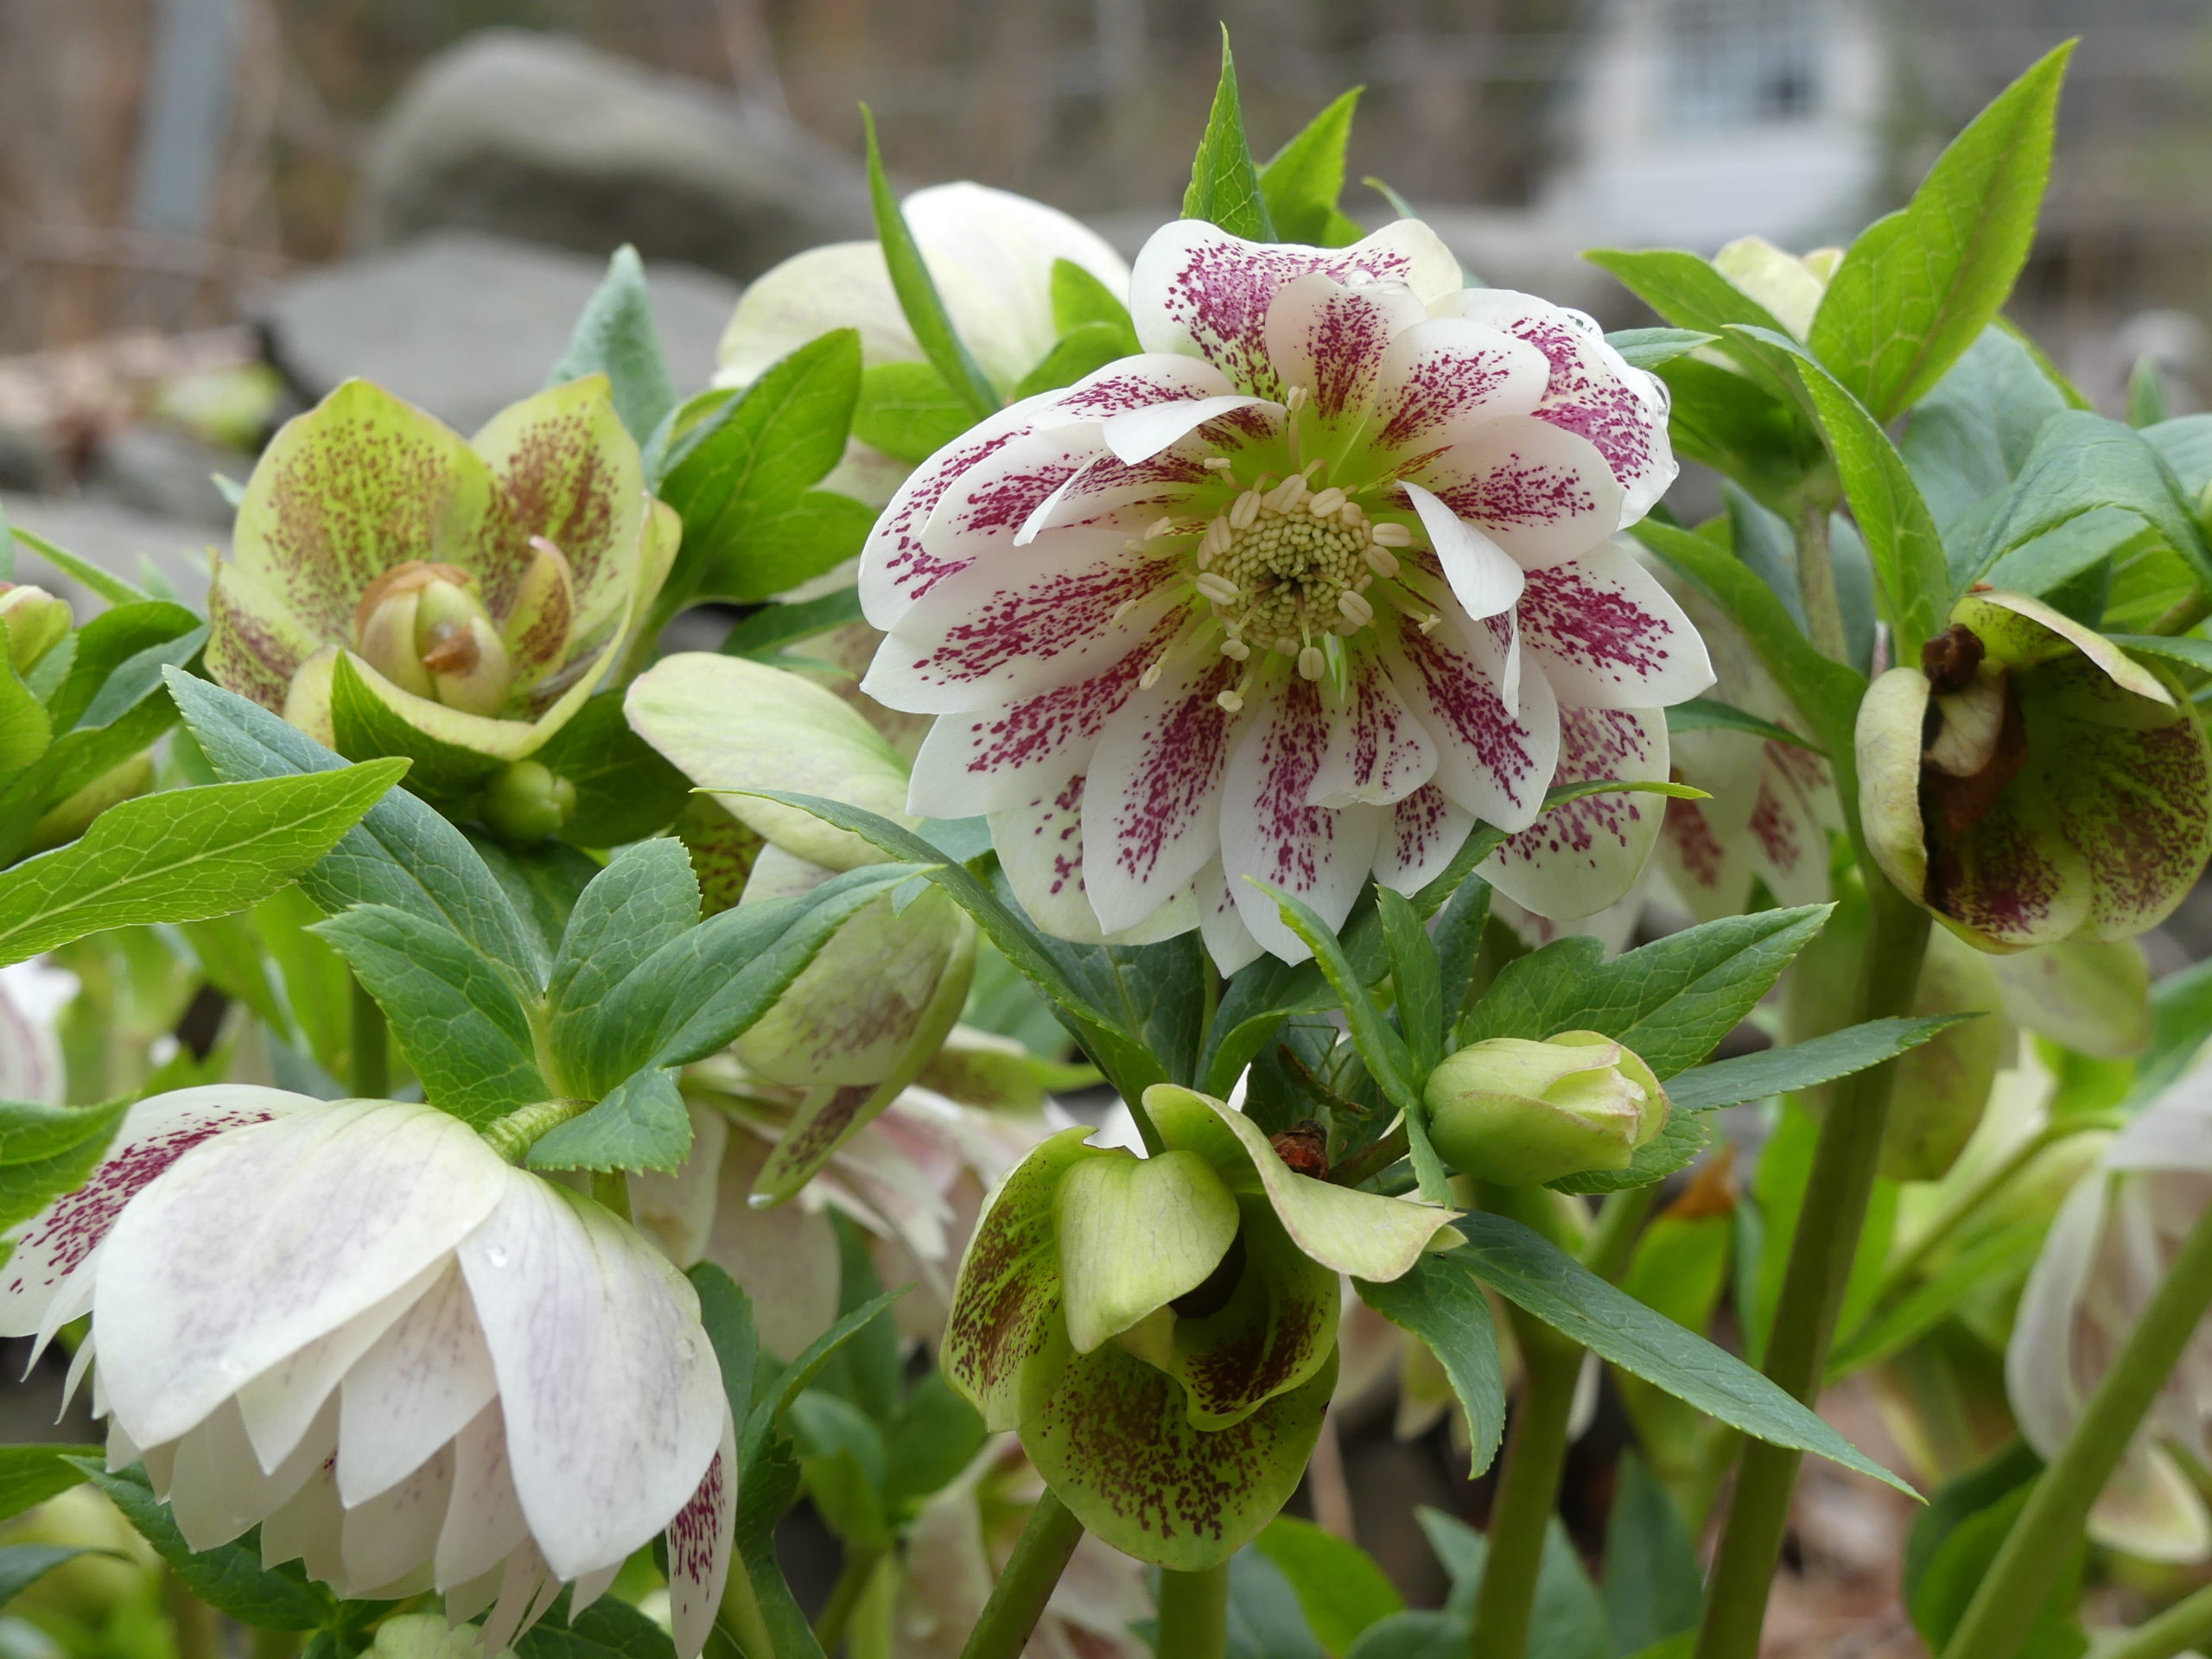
(1284,568)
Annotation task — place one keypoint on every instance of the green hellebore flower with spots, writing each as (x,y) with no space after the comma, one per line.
(868,1013)
(393,587)
(1162,1332)
(2030,782)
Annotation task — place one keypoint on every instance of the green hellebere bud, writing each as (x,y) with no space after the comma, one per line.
(2030,782)
(35,622)
(1162,1331)
(1522,1113)
(1789,286)
(526,802)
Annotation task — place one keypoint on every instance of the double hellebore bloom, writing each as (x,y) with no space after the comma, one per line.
(861,1019)
(1298,593)
(2114,1238)
(2030,782)
(1522,1113)
(1162,1331)
(394,588)
(413,1365)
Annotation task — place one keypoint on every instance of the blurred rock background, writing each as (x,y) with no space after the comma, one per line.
(213,211)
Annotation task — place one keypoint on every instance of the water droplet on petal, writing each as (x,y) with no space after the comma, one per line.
(497,1255)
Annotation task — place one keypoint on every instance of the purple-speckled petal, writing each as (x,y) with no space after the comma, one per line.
(700,1539)
(1422,834)
(1378,752)
(1335,341)
(1445,378)
(1607,635)
(1544,494)
(1579,857)
(1491,760)
(1199,291)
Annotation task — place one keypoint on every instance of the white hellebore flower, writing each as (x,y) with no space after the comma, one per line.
(991,255)
(1301,592)
(412,1364)
(2116,1236)
(32,996)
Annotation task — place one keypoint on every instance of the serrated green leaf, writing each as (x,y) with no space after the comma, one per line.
(1744,429)
(455,1015)
(751,517)
(1690,293)
(2083,465)
(401,853)
(1303,179)
(183,855)
(1083,350)
(641,1124)
(1674,1148)
(228,1578)
(1802,1065)
(1540,1278)
(1079,297)
(1416,980)
(917,291)
(615,336)
(1647,348)
(608,1629)
(762,635)
(1653,1582)
(1224,187)
(906,410)
(102,580)
(1447,1309)
(625,790)
(644,900)
(24,729)
(1670,1001)
(1918,287)
(1340,1589)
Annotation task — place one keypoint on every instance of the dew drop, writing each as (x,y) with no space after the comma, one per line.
(497,1255)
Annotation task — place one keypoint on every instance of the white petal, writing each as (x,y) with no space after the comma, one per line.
(1606,635)
(1484,577)
(1334,340)
(1198,290)
(62,1238)
(280,1403)
(842,285)
(257,1242)
(1144,381)
(217,1486)
(2039,1372)
(1228,941)
(678,1212)
(700,1539)
(1584,855)
(1113,492)
(1493,758)
(1141,434)
(396,1533)
(1444,377)
(1419,839)
(1544,494)
(425,1380)
(526,1590)
(611,1396)
(1151,804)
(984,509)
(1006,755)
(307,1529)
(30,1053)
(2150,1509)
(1012,626)
(1269,834)
(484,1522)
(590,1587)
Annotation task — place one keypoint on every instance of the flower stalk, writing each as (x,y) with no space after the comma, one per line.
(1018,1598)
(2186,1625)
(1194,1613)
(369,1064)
(2013,1594)
(1821,1254)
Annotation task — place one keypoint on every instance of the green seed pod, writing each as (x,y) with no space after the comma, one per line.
(525,802)
(1522,1113)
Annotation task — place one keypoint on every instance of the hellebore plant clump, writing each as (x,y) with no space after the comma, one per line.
(468,1073)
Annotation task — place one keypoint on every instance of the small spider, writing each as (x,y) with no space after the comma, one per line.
(1305,1147)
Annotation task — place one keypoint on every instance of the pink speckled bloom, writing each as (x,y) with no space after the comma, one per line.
(1300,593)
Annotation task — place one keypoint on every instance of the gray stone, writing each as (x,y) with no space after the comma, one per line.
(463,324)
(552,140)
(160,471)
(116,539)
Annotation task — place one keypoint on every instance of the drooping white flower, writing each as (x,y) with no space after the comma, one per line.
(990,253)
(413,1365)
(2114,1238)
(1300,593)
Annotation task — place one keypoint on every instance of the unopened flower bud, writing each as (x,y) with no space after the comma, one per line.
(36,622)
(424,627)
(526,802)
(1789,286)
(1522,1113)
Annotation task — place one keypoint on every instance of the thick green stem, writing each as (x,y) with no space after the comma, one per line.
(740,1617)
(1364,1165)
(1018,1598)
(845,1598)
(2187,1623)
(2185,615)
(513,1135)
(1816,582)
(1528,1491)
(2018,1582)
(1194,1613)
(370,1063)
(1960,1210)
(1821,1254)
